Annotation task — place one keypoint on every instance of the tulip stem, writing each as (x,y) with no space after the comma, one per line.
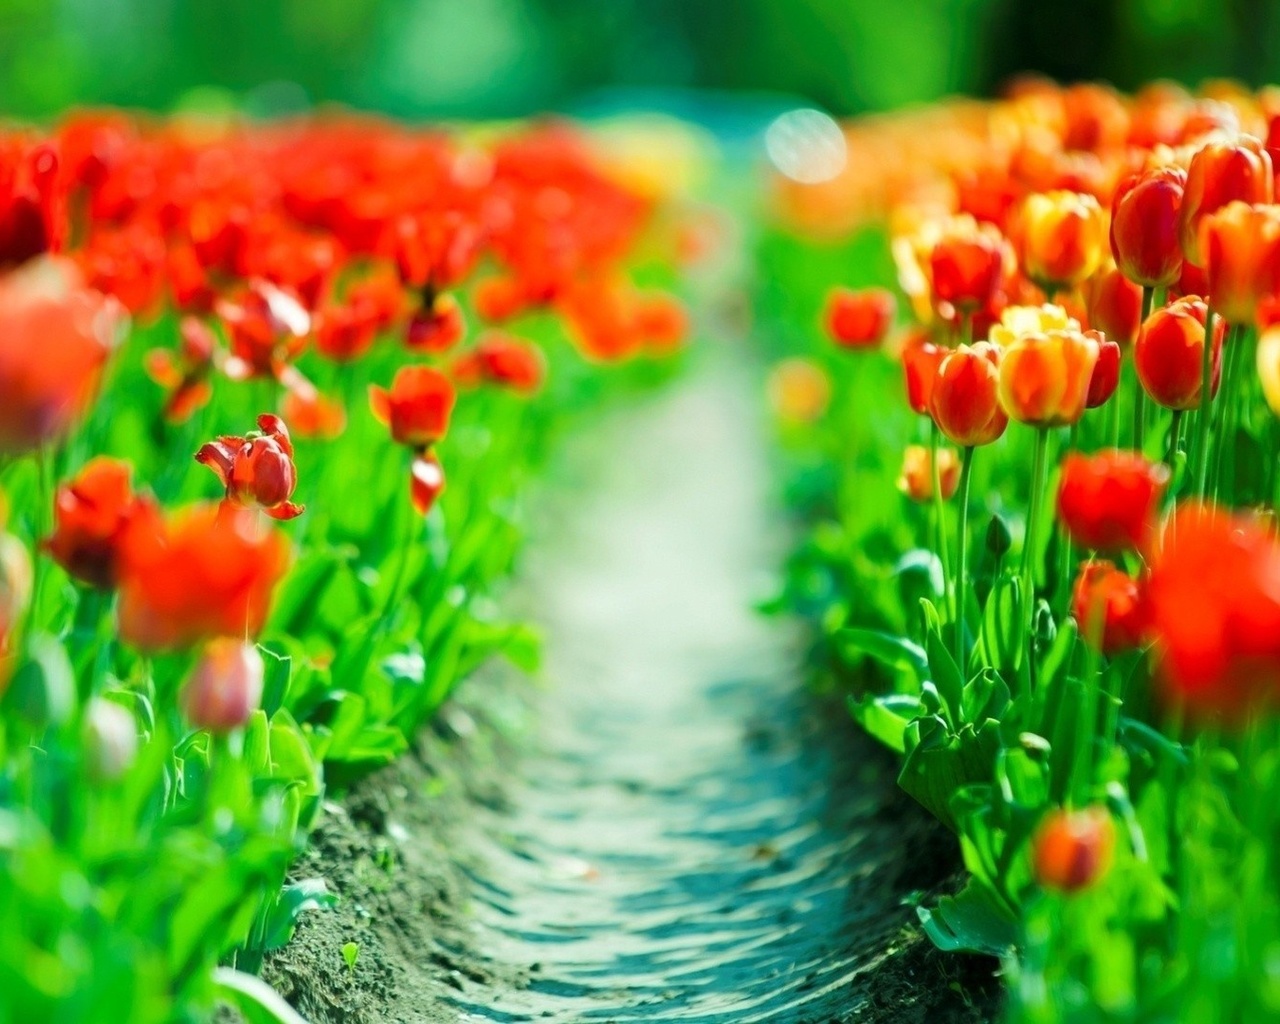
(1030,539)
(962,571)
(1175,438)
(1206,406)
(1139,395)
(948,582)
(1227,411)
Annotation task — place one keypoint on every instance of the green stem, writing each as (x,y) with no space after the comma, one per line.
(1140,396)
(1062,594)
(962,573)
(1175,437)
(940,520)
(1030,539)
(1206,407)
(1228,407)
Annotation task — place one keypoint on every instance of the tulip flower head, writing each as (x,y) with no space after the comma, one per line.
(1107,605)
(417,406)
(1109,502)
(91,515)
(1061,238)
(1044,374)
(1240,246)
(799,391)
(1219,173)
(1072,850)
(860,319)
(1114,306)
(1106,373)
(504,361)
(1169,353)
(437,327)
(1145,216)
(921,359)
(967,266)
(916,478)
(257,471)
(965,400)
(426,482)
(225,687)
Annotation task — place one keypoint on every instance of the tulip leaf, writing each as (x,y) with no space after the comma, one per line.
(973,921)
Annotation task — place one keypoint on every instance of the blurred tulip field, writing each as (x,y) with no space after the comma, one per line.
(291,341)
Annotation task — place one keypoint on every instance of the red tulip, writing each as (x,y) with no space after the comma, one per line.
(91,516)
(860,319)
(417,407)
(921,359)
(1170,350)
(1144,226)
(1109,502)
(426,482)
(436,327)
(257,471)
(1114,305)
(1221,172)
(964,401)
(1106,374)
(504,361)
(1107,606)
(1071,850)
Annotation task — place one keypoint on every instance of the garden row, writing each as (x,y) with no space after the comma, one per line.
(1040,549)
(264,432)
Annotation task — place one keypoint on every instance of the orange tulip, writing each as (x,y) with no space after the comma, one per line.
(1114,305)
(860,319)
(207,571)
(1061,237)
(1107,605)
(965,401)
(1240,245)
(1169,352)
(916,478)
(55,337)
(417,407)
(920,361)
(1073,849)
(91,516)
(1144,226)
(1219,173)
(1044,377)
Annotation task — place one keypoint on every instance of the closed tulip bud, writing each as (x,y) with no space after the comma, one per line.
(1114,305)
(968,267)
(1061,238)
(1219,173)
(1241,249)
(1108,502)
(999,539)
(1073,849)
(1107,605)
(1106,374)
(860,319)
(1170,350)
(1144,226)
(417,407)
(920,361)
(225,687)
(1269,366)
(965,401)
(1044,377)
(916,478)
(109,740)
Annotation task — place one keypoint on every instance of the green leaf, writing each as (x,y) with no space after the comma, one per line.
(972,921)
(257,1001)
(1000,638)
(943,670)
(886,718)
(43,691)
(896,653)
(940,762)
(281,918)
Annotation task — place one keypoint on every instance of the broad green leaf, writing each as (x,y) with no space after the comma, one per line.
(257,1001)
(972,921)
(886,718)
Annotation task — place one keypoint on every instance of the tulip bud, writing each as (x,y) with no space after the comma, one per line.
(225,687)
(417,407)
(1144,226)
(999,539)
(1106,375)
(916,478)
(1061,236)
(1240,245)
(1219,173)
(1109,501)
(920,361)
(1170,350)
(860,319)
(965,402)
(1073,849)
(109,740)
(1107,607)
(1114,306)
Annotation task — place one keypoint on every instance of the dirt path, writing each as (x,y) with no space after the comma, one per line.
(683,836)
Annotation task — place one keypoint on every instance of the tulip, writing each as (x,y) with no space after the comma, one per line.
(225,687)
(426,482)
(417,407)
(1044,378)
(91,516)
(1061,238)
(109,739)
(1212,606)
(1144,227)
(257,471)
(921,359)
(185,374)
(504,361)
(916,477)
(1072,850)
(1114,305)
(1108,502)
(964,401)
(55,337)
(1170,351)
(1106,374)
(311,413)
(207,571)
(437,327)
(1240,245)
(1107,606)
(267,327)
(967,266)
(860,319)
(799,391)
(1219,173)
(344,333)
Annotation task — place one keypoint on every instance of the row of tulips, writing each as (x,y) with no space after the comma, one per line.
(1085,687)
(264,430)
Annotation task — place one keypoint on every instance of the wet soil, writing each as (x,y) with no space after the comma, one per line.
(665,827)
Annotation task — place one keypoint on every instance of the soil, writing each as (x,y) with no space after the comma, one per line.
(665,826)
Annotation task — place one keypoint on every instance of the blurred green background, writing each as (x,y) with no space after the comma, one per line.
(498,58)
